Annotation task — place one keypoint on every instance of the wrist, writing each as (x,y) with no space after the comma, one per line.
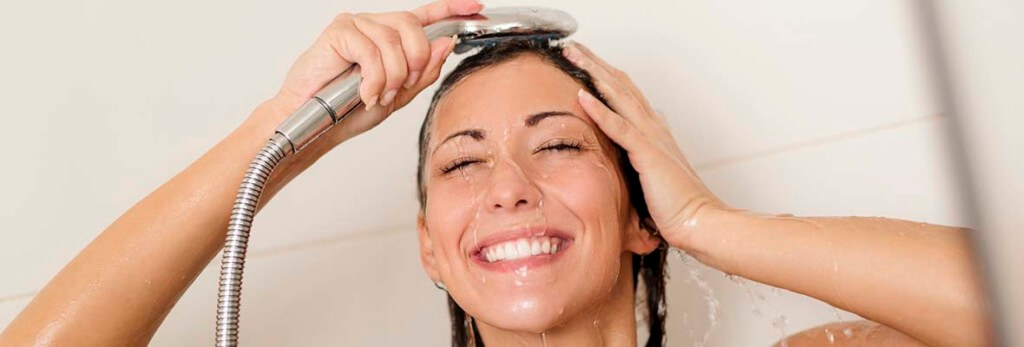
(714,234)
(270,113)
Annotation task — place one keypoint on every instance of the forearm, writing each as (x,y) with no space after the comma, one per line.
(914,277)
(119,288)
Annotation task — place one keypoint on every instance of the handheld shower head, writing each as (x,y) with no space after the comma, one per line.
(504,23)
(331,105)
(341,96)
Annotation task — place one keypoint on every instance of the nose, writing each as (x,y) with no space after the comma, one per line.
(510,189)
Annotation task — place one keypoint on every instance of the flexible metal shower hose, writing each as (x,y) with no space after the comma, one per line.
(233,259)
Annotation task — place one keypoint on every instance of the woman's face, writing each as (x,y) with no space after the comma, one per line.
(527,220)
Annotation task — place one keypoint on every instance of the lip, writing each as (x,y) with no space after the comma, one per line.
(516,233)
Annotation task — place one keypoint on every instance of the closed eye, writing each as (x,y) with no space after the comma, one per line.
(560,145)
(459,164)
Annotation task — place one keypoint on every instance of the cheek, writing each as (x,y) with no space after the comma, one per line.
(448,212)
(590,190)
(586,185)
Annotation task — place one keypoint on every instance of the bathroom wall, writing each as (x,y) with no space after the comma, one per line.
(793,106)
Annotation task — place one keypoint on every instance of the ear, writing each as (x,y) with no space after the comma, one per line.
(638,239)
(426,249)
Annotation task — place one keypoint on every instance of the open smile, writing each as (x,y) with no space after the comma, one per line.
(513,249)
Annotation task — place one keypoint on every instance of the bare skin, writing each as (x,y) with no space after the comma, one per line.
(916,280)
(118,290)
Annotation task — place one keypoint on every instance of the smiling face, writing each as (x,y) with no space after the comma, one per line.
(527,221)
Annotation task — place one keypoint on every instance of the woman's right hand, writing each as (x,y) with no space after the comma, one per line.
(395,59)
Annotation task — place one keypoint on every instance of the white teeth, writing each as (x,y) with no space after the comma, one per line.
(510,251)
(521,248)
(499,253)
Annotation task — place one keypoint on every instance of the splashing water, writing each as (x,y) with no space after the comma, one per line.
(759,302)
(828,332)
(780,323)
(709,296)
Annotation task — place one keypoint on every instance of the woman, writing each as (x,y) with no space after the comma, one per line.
(543,178)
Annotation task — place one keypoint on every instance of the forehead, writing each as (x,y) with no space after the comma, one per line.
(507,93)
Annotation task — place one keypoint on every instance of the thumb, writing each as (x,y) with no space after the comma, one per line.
(442,9)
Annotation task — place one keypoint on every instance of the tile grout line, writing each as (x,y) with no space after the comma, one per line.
(319,242)
(706,166)
(18,296)
(330,240)
(716,164)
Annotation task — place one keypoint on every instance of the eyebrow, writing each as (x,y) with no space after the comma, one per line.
(535,118)
(531,121)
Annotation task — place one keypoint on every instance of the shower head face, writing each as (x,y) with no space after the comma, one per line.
(505,23)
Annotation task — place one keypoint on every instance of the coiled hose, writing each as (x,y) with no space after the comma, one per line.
(235,245)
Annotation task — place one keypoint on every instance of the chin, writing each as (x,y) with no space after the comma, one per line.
(527,313)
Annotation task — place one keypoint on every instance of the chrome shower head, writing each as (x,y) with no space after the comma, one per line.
(506,23)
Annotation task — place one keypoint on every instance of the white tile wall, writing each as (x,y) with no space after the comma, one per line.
(797,106)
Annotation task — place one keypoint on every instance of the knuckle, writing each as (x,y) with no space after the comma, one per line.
(408,18)
(621,89)
(391,37)
(373,55)
(343,17)
(620,74)
(621,124)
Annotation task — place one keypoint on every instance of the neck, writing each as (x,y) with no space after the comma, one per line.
(611,322)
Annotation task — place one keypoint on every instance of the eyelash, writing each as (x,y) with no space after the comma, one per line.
(458,164)
(561,145)
(557,146)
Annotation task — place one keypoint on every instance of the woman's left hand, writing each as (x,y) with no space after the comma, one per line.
(675,196)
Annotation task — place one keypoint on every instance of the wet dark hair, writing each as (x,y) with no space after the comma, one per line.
(650,267)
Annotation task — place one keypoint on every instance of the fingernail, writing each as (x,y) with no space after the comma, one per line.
(373,102)
(411,80)
(571,53)
(585,96)
(388,97)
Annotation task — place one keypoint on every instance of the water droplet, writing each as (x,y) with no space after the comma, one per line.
(780,322)
(848,332)
(708,294)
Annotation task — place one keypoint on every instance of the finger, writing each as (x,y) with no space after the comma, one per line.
(414,41)
(618,94)
(440,50)
(442,9)
(389,43)
(618,73)
(618,128)
(353,46)
(622,77)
